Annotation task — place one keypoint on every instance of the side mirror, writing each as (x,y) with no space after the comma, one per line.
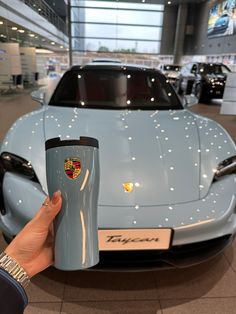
(190,100)
(39,96)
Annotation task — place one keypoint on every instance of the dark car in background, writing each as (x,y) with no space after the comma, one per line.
(204,80)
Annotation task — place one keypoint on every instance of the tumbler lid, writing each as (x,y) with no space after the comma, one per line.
(82,141)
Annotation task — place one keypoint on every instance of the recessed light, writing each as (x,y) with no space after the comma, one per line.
(14,28)
(21,31)
(31,35)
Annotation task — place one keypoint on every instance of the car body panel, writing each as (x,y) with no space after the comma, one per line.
(142,162)
(159,167)
(24,139)
(170,157)
(204,219)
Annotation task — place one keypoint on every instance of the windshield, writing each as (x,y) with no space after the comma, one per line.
(115,89)
(174,68)
(214,69)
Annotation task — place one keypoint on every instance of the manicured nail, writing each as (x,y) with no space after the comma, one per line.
(56,197)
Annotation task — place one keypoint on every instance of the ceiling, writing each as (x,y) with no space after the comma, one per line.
(59,6)
(26,37)
(12,32)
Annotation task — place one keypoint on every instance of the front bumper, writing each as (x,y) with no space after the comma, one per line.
(179,256)
(214,91)
(194,223)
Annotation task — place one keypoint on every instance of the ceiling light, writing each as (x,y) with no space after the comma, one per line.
(52,43)
(40,50)
(31,35)
(21,31)
(1,22)
(61,47)
(169,2)
(14,28)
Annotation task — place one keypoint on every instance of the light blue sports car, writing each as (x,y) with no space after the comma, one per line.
(167,176)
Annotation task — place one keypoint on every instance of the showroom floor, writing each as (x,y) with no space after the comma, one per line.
(208,288)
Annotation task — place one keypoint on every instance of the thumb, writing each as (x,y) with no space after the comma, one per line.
(49,210)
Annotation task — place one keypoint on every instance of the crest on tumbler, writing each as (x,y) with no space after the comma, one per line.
(72,167)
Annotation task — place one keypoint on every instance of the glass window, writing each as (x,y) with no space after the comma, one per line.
(119,31)
(117,16)
(100,87)
(113,45)
(171,67)
(194,69)
(117,5)
(111,26)
(214,68)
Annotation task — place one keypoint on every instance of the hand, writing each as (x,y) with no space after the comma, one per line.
(33,247)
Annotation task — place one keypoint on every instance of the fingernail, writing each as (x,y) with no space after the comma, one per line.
(56,197)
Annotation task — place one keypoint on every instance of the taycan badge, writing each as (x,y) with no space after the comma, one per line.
(72,167)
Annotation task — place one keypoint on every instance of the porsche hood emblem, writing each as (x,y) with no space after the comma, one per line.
(128,187)
(72,167)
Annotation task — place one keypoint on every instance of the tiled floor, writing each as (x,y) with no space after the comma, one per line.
(207,288)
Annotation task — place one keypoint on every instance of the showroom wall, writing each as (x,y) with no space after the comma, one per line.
(198,43)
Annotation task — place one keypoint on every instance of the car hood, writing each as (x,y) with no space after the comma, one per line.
(138,147)
(168,156)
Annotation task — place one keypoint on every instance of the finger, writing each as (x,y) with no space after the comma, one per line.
(48,212)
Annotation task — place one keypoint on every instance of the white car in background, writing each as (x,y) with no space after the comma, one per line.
(171,71)
(167,176)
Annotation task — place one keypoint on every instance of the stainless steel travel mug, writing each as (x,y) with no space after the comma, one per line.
(73,168)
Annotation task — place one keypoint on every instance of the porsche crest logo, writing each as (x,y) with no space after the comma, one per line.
(128,187)
(72,167)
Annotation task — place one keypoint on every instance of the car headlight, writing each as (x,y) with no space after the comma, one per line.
(16,164)
(228,166)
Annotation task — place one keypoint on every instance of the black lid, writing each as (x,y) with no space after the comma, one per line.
(82,141)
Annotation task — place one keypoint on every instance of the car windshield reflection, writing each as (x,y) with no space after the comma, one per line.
(115,89)
(214,69)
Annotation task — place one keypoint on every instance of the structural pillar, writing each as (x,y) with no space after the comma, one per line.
(180,33)
(69,31)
